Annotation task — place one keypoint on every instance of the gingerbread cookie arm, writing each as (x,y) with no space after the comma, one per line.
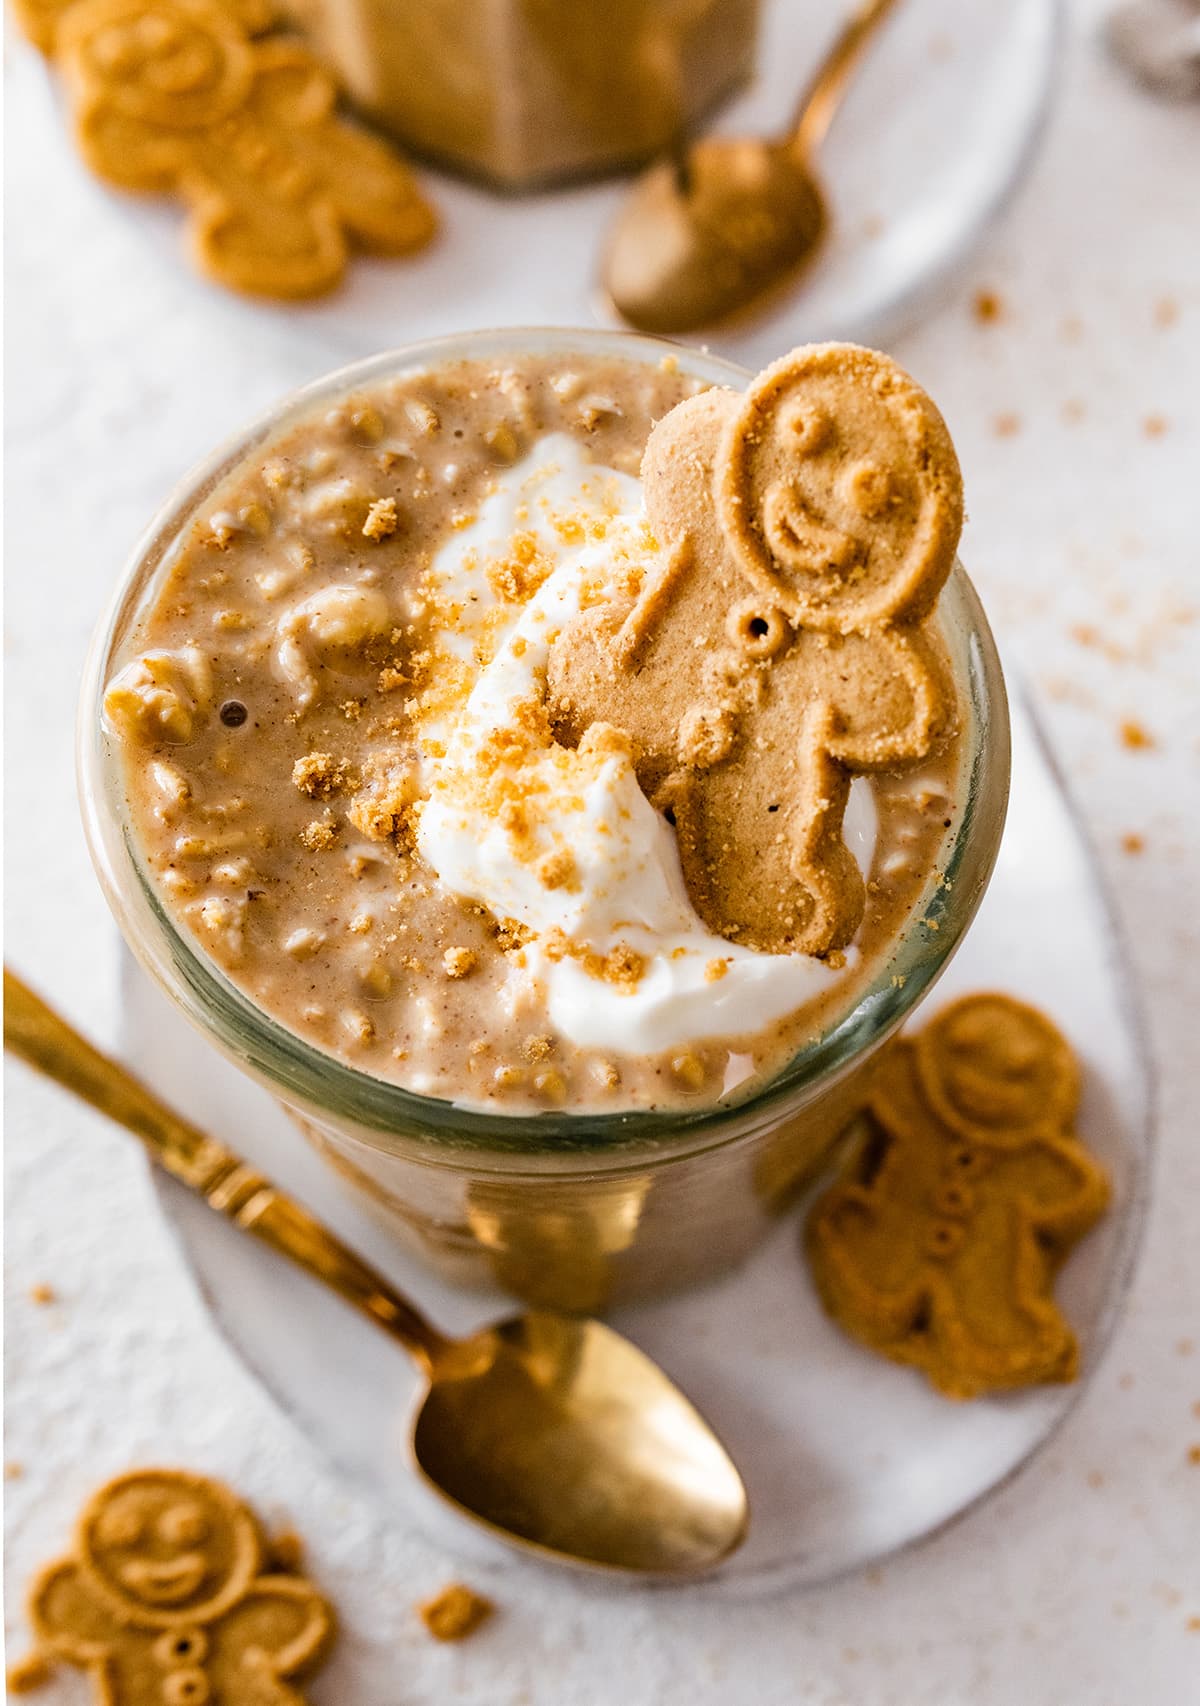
(68,1619)
(1064,1191)
(282,1618)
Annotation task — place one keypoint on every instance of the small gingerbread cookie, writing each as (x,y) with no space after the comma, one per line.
(163,1600)
(783,646)
(963,1194)
(177,96)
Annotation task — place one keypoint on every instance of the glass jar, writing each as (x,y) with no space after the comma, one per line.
(528,92)
(571,1211)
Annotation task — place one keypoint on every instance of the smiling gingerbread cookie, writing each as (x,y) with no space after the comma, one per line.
(164,1602)
(964,1193)
(784,643)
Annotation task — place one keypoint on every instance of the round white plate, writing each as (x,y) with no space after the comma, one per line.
(846,1457)
(935,134)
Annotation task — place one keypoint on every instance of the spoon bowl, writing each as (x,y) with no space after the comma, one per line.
(727,221)
(701,237)
(561,1434)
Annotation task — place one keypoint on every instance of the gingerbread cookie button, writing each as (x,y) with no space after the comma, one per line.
(965,1192)
(839,491)
(164,1602)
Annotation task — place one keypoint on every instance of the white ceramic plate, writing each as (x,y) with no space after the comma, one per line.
(935,135)
(846,1457)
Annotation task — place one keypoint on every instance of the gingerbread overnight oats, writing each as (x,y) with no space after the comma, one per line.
(380,773)
(537,746)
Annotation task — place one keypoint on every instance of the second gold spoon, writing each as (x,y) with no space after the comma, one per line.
(555,1433)
(714,228)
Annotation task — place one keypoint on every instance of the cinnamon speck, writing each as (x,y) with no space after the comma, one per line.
(455,1613)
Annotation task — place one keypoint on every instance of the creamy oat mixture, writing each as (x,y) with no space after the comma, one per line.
(340,770)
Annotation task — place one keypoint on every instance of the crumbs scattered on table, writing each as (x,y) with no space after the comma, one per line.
(1136,736)
(1185,1347)
(1154,426)
(455,1613)
(13,1471)
(1006,425)
(1193,1455)
(42,1294)
(1095,1478)
(1073,411)
(1070,329)
(988,307)
(1132,842)
(1166,312)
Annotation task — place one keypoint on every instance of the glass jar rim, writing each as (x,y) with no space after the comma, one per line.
(381,1109)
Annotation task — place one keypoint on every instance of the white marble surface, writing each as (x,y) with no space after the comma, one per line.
(1080,1584)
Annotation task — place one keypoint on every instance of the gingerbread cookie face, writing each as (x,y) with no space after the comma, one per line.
(163,1600)
(939,1243)
(997,1071)
(749,718)
(838,490)
(169,1547)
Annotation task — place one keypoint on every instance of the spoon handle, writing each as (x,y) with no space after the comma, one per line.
(43,1039)
(822,98)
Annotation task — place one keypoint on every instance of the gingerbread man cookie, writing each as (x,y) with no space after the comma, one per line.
(784,644)
(963,1195)
(177,96)
(164,1603)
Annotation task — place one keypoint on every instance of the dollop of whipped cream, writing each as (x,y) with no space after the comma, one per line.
(563,842)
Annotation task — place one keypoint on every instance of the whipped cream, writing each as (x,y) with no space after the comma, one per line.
(564,842)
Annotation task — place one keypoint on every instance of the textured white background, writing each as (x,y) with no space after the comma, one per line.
(1079,1585)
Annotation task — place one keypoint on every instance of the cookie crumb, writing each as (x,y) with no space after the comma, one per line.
(1073,411)
(319,775)
(1166,312)
(715,970)
(319,836)
(538,1048)
(27,1675)
(42,1294)
(987,307)
(1133,843)
(1154,426)
(459,962)
(455,1613)
(13,1471)
(1136,736)
(382,520)
(1193,1456)
(1006,425)
(689,1070)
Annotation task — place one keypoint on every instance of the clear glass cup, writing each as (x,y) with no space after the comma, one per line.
(566,1210)
(530,92)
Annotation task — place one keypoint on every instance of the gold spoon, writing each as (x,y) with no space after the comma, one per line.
(712,229)
(555,1434)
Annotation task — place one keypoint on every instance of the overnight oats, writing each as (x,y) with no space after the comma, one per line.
(571,755)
